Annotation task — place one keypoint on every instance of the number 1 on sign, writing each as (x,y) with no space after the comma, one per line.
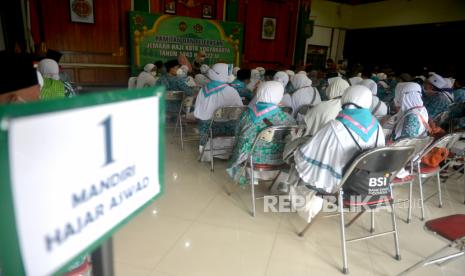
(108,145)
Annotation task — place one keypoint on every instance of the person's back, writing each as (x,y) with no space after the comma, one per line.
(305,94)
(326,111)
(321,161)
(146,78)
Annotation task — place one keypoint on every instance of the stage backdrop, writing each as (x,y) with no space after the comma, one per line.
(163,37)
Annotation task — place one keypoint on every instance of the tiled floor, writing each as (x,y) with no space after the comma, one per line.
(195,228)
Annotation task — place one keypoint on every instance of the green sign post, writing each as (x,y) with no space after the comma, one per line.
(73,171)
(163,37)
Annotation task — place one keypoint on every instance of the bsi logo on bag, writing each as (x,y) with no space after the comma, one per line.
(377,181)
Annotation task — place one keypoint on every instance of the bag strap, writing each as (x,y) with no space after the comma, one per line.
(376,107)
(314,96)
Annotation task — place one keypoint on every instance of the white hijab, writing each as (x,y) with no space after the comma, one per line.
(320,161)
(411,98)
(149,67)
(228,96)
(323,113)
(305,93)
(49,69)
(235,70)
(355,80)
(370,84)
(204,68)
(282,77)
(270,92)
(377,106)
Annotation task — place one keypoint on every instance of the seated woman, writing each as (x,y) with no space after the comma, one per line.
(213,95)
(326,111)
(289,88)
(414,119)
(146,78)
(264,113)
(305,93)
(438,96)
(320,162)
(53,87)
(378,108)
(283,78)
(240,84)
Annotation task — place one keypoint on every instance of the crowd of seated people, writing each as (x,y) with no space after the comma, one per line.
(349,110)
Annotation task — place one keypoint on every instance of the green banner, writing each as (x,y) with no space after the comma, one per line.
(163,37)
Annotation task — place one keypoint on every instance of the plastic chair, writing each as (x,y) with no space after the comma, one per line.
(181,121)
(450,229)
(386,160)
(221,115)
(420,145)
(423,171)
(174,97)
(275,135)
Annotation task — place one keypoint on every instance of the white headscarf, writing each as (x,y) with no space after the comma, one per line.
(336,88)
(235,69)
(219,72)
(381,76)
(254,74)
(270,92)
(302,73)
(204,68)
(149,67)
(40,79)
(370,84)
(49,69)
(261,70)
(301,80)
(282,77)
(355,80)
(359,95)
(290,73)
(411,102)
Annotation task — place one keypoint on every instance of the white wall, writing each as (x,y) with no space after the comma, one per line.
(333,38)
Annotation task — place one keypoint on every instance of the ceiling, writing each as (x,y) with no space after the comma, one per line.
(356,2)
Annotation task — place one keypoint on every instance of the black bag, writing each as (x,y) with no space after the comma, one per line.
(363,185)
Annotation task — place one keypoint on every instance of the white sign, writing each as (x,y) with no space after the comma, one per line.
(76,174)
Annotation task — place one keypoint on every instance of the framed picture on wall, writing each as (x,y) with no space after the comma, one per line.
(207,11)
(170,6)
(269,28)
(82,11)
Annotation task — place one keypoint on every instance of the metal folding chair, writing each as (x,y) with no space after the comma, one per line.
(173,98)
(423,171)
(420,145)
(452,230)
(275,135)
(182,123)
(221,115)
(379,160)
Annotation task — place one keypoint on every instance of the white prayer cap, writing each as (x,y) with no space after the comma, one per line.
(437,81)
(219,72)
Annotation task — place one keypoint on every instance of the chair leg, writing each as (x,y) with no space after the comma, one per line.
(396,234)
(439,190)
(252,186)
(181,133)
(274,181)
(409,216)
(203,149)
(372,229)
(345,268)
(211,150)
(422,204)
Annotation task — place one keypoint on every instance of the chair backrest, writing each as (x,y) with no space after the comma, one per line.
(444,142)
(287,109)
(302,110)
(174,95)
(228,113)
(275,134)
(187,104)
(132,82)
(388,159)
(420,144)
